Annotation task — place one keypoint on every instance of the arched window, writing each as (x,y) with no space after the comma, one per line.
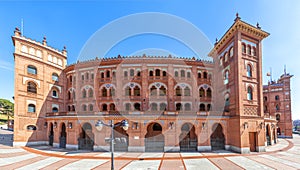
(265,98)
(227,101)
(54,93)
(231,52)
(205,75)
(226,57)
(69,108)
(74,96)
(127,106)
(69,95)
(182,73)
(226,77)
(54,77)
(178,106)
(153,106)
(199,75)
(102,75)
(151,73)
(114,74)
(104,92)
(187,91)
(208,107)
(277,108)
(31,108)
(162,91)
(249,93)
(176,73)
(83,93)
(137,106)
(127,91)
(162,106)
(136,91)
(188,74)
(104,107)
(208,93)
(73,108)
(112,92)
(31,70)
(125,73)
(153,91)
(112,107)
(131,72)
(254,51)
(138,74)
(87,75)
(82,77)
(54,109)
(278,117)
(265,109)
(276,97)
(84,107)
(91,93)
(249,71)
(249,50)
(164,73)
(178,91)
(201,92)
(107,73)
(202,107)
(187,107)
(157,72)
(243,48)
(31,87)
(91,107)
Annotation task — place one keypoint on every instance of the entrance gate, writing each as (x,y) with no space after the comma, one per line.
(188,138)
(154,139)
(121,139)
(63,136)
(51,135)
(86,139)
(217,138)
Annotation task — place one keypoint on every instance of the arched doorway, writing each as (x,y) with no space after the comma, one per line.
(63,136)
(51,134)
(268,135)
(154,139)
(86,138)
(217,138)
(188,138)
(121,139)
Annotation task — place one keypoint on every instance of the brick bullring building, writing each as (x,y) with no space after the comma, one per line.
(171,104)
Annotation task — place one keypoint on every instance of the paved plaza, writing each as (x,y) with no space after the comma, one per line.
(284,155)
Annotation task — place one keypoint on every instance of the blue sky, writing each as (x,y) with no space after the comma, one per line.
(72,23)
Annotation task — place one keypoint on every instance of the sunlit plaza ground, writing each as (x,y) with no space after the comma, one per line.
(284,155)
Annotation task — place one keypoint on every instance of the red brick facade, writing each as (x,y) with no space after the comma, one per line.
(172,104)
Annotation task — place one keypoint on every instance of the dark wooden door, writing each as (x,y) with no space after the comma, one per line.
(252,141)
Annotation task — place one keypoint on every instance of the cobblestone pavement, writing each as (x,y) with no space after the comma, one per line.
(284,155)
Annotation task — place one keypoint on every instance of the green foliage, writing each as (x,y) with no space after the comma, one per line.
(6,107)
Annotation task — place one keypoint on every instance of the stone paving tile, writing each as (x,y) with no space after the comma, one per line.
(151,155)
(171,164)
(131,154)
(16,159)
(59,164)
(283,161)
(196,164)
(10,150)
(143,165)
(22,163)
(271,163)
(108,154)
(247,163)
(6,155)
(172,155)
(83,164)
(41,163)
(224,164)
(190,154)
(118,164)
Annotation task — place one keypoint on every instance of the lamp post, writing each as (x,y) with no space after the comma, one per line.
(111,124)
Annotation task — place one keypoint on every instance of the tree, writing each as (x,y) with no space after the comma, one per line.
(6,107)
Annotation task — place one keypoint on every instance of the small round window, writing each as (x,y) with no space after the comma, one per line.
(31,127)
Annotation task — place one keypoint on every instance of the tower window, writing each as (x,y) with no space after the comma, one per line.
(54,77)
(249,93)
(31,108)
(31,87)
(32,70)
(249,71)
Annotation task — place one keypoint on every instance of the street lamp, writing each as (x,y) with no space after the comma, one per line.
(99,125)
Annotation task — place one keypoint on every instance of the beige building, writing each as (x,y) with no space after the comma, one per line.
(172,104)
